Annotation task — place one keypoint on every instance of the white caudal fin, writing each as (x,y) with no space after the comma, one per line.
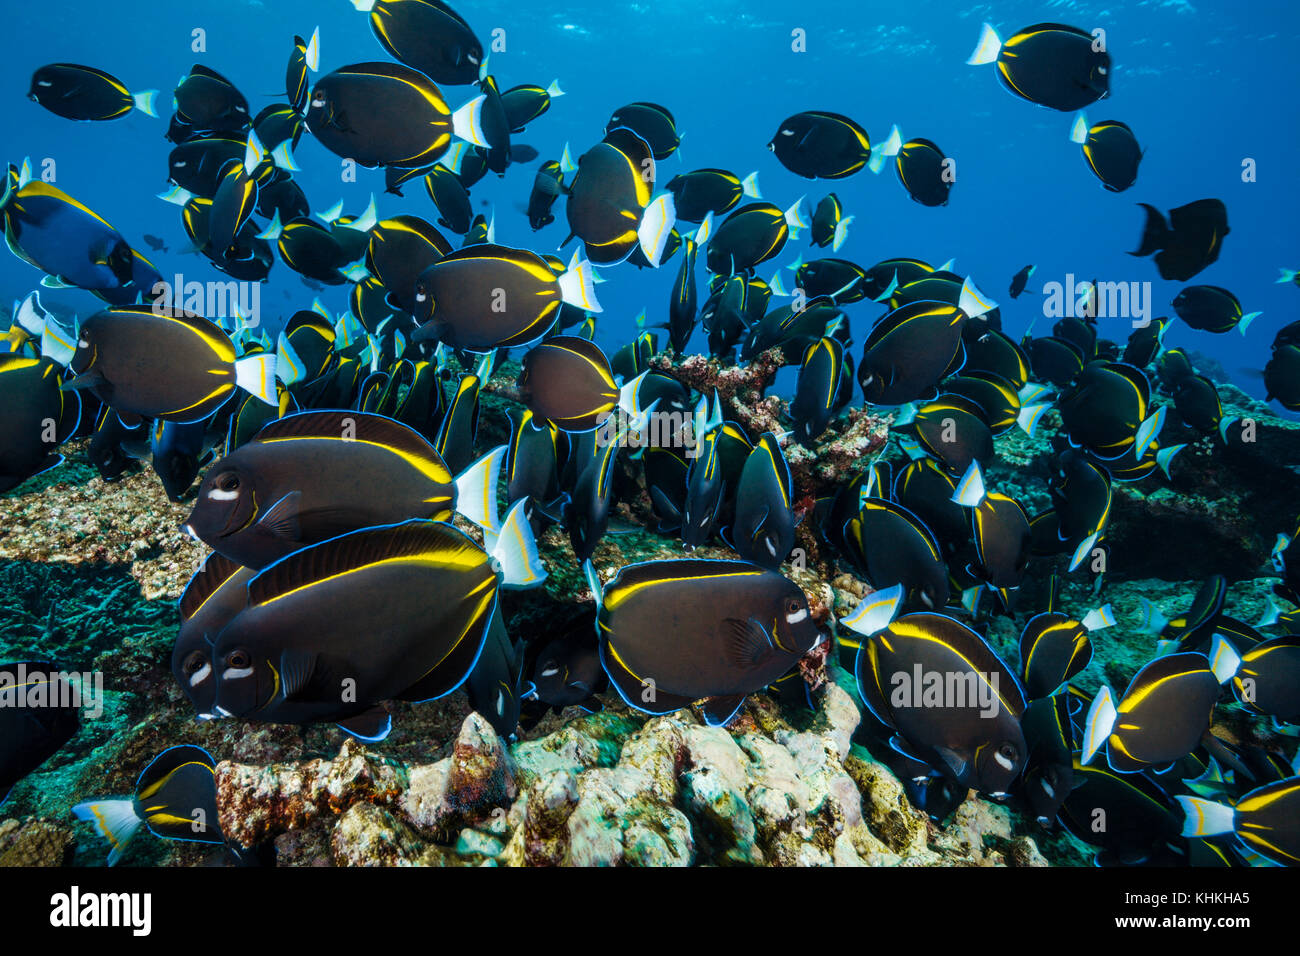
(366,221)
(554,89)
(841,234)
(875,611)
(1028,416)
(176,196)
(514,550)
(254,153)
(1148,432)
(1225,424)
(282,156)
(313,51)
(777,285)
(1272,613)
(577,286)
(289,366)
(355,271)
(1202,818)
(705,230)
(1079,131)
(476,490)
(467,122)
(1245,321)
(1099,618)
(1287,275)
(886,151)
(56,343)
(1101,719)
(116,820)
(25,172)
(593,581)
(656,226)
(1082,551)
(1151,621)
(144,102)
(974,302)
(970,490)
(795,218)
(365,6)
(749,186)
(1031,392)
(988,48)
(1165,456)
(1224,659)
(330,214)
(567,164)
(30,314)
(273,229)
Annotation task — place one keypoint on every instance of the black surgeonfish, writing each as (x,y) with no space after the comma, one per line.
(1054,360)
(1197,400)
(37,717)
(818,145)
(1054,648)
(455,439)
(1190,241)
(547,185)
(952,430)
(1266,677)
(533,460)
(951,701)
(888,545)
(38,417)
(1105,407)
(495,685)
(51,231)
(488,296)
(526,102)
(284,657)
(1001,531)
(1049,765)
(650,121)
(400,250)
(609,195)
(208,102)
(380,114)
(749,235)
(925,172)
(1193,629)
(924,488)
(592,459)
(908,352)
(426,35)
(1020,280)
(85,93)
(216,592)
(175,798)
(305,56)
(703,191)
(1144,343)
(829,224)
(117,360)
(1211,308)
(1282,377)
(1050,64)
(1139,818)
(450,198)
(565,667)
(819,380)
(734,629)
(1111,150)
(289,486)
(568,382)
(1265,820)
(763,529)
(178,453)
(1160,718)
(841,281)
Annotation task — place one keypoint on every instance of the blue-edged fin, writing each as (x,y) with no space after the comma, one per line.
(972,301)
(289,367)
(1165,456)
(1082,551)
(476,490)
(144,102)
(796,219)
(718,711)
(1099,618)
(842,234)
(567,165)
(656,225)
(749,186)
(578,286)
(1028,416)
(176,196)
(1272,613)
(116,820)
(1152,621)
(1149,431)
(514,550)
(1079,131)
(467,122)
(56,344)
(273,229)
(372,727)
(1244,322)
(331,214)
(886,151)
(593,581)
(970,491)
(1101,720)
(1203,817)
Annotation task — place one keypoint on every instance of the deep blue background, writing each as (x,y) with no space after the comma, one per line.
(1203,84)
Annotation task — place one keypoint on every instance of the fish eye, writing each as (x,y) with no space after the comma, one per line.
(793,606)
(194,663)
(239,660)
(228,482)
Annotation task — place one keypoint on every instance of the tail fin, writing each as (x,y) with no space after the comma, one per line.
(1148,431)
(554,89)
(282,156)
(795,219)
(567,165)
(970,490)
(289,367)
(176,196)
(144,102)
(841,234)
(1203,817)
(988,47)
(1152,621)
(656,226)
(330,214)
(1099,618)
(273,229)
(886,151)
(116,820)
(1224,659)
(875,611)
(749,186)
(1244,322)
(1166,455)
(313,51)
(1029,415)
(476,490)
(256,374)
(366,221)
(1079,131)
(1155,232)
(467,121)
(1101,719)
(593,581)
(1288,275)
(514,549)
(577,287)
(973,302)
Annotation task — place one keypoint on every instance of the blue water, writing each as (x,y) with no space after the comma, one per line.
(1204,85)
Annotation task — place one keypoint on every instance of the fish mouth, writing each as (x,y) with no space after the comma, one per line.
(189,530)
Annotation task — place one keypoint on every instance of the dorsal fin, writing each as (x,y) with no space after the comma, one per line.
(216,571)
(364,426)
(435,540)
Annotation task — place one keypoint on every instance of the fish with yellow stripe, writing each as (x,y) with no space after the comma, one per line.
(164,364)
(763,528)
(78,92)
(950,700)
(1049,64)
(1162,715)
(175,799)
(676,632)
(1111,151)
(819,389)
(314,645)
(821,145)
(1266,820)
(316,474)
(216,592)
(38,417)
(1054,648)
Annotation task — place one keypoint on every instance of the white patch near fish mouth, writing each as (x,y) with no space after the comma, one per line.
(223,712)
(201,675)
(235,673)
(1006,764)
(797,616)
(1049,790)
(216,494)
(550,672)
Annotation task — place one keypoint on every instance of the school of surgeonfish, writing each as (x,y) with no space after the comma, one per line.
(361,538)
